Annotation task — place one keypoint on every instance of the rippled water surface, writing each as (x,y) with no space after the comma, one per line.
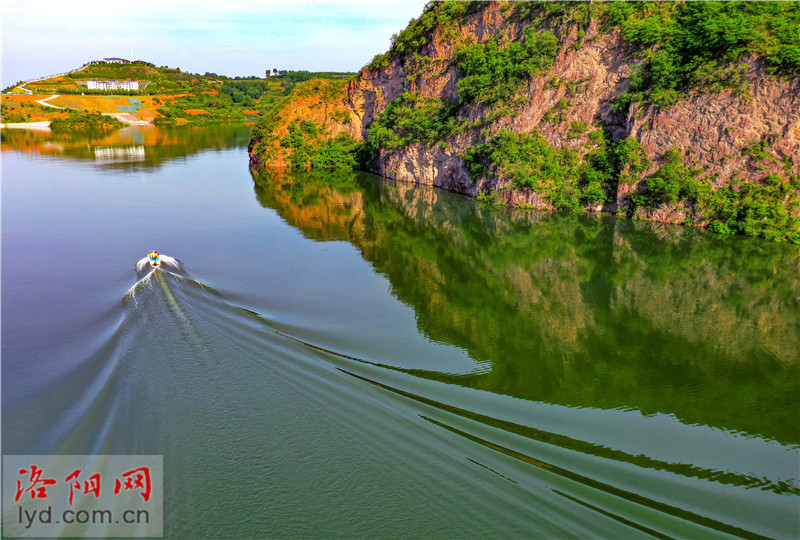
(344,355)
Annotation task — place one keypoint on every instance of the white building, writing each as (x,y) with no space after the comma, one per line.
(96,84)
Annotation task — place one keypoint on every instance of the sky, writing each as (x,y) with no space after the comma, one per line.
(235,37)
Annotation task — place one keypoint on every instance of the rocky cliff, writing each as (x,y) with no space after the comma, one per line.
(599,106)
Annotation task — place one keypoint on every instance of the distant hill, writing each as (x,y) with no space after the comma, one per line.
(167,96)
(163,80)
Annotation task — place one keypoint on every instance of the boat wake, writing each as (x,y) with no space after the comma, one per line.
(143,265)
(187,374)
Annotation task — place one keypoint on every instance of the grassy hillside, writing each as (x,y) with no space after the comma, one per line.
(163,80)
(168,96)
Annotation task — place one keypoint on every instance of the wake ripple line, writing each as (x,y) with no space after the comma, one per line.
(602,486)
(683,469)
(615,517)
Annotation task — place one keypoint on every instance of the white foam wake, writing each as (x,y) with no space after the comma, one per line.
(166,260)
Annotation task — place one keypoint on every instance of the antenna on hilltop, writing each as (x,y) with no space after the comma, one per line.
(131,52)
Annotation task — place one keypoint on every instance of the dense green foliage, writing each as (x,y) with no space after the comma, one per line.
(492,74)
(757,208)
(529,162)
(632,160)
(85,121)
(245,92)
(761,208)
(412,118)
(220,107)
(311,150)
(672,182)
(700,44)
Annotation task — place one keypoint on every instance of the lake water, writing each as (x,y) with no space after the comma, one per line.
(341,355)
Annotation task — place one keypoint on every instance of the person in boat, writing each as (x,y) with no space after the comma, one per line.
(154,258)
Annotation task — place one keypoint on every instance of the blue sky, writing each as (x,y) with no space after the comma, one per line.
(240,37)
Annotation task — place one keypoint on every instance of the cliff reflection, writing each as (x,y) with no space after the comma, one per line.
(579,310)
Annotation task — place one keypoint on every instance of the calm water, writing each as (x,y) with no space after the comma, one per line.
(343,355)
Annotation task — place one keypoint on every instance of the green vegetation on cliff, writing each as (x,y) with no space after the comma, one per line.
(412,118)
(559,174)
(492,74)
(307,144)
(765,208)
(691,45)
(419,32)
(311,150)
(531,163)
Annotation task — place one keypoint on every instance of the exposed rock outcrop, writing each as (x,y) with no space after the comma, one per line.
(565,104)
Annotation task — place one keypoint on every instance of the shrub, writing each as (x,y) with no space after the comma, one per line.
(529,162)
(697,44)
(435,15)
(632,160)
(492,74)
(311,150)
(412,118)
(762,208)
(85,121)
(164,121)
(672,182)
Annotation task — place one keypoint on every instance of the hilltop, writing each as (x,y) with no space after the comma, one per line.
(684,112)
(165,95)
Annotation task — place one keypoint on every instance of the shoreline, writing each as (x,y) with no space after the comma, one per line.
(36,126)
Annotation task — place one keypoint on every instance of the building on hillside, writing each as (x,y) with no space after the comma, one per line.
(96,84)
(116,61)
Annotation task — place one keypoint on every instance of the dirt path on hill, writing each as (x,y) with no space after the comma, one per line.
(44,102)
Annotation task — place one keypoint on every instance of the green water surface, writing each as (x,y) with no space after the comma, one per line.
(342,355)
